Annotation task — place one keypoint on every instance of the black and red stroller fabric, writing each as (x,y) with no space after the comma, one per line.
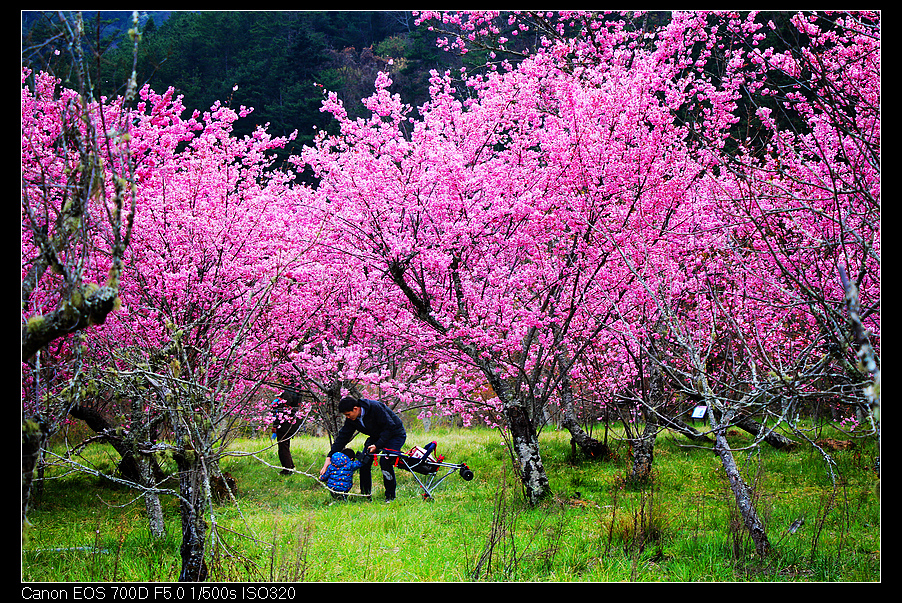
(428,468)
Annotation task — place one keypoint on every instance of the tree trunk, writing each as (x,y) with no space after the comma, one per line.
(128,466)
(644,451)
(588,445)
(146,466)
(681,427)
(741,490)
(524,438)
(758,430)
(35,434)
(643,447)
(152,505)
(523,434)
(134,466)
(194,500)
(526,447)
(192,455)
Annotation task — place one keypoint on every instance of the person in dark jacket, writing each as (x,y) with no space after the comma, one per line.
(339,475)
(285,425)
(384,431)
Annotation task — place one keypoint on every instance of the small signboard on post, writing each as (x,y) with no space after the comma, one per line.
(699,412)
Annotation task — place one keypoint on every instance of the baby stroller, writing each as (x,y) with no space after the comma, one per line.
(428,469)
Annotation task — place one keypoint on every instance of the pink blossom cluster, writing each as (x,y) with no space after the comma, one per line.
(559,219)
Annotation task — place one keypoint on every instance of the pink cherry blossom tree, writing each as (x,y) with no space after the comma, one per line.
(800,193)
(794,203)
(78,203)
(219,292)
(225,288)
(671,225)
(584,223)
(492,217)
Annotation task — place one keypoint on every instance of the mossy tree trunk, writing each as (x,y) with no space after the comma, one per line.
(194,490)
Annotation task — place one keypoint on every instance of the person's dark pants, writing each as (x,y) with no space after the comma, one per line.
(386,464)
(284,432)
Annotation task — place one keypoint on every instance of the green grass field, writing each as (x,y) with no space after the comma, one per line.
(682,527)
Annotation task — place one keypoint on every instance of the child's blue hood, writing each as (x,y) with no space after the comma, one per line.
(340,460)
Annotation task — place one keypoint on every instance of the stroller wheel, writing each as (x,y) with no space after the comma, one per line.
(466,474)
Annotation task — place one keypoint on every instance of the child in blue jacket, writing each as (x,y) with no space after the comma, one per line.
(339,476)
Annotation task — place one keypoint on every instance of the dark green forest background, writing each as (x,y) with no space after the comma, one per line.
(281,61)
